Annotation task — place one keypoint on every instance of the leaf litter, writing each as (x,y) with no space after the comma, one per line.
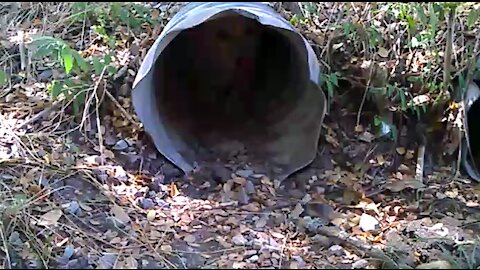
(115,204)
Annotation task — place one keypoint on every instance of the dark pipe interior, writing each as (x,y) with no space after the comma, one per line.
(474,131)
(228,76)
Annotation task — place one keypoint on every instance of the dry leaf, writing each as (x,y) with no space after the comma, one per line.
(399,185)
(94,222)
(261,222)
(173,190)
(154,234)
(115,240)
(297,211)
(358,128)
(166,248)
(332,140)
(131,263)
(50,218)
(85,207)
(382,52)
(189,238)
(120,214)
(366,137)
(380,160)
(24,181)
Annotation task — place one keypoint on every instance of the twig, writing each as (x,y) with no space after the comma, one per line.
(39,115)
(448,52)
(420,163)
(87,104)
(99,129)
(122,110)
(365,93)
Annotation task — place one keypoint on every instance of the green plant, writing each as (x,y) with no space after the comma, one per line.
(3,78)
(78,70)
(330,81)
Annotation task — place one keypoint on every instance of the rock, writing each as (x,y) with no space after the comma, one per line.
(249,187)
(362,263)
(220,173)
(241,196)
(169,172)
(160,202)
(435,265)
(120,145)
(156,183)
(68,252)
(80,263)
(147,203)
(336,250)
(244,173)
(45,75)
(239,240)
(368,223)
(107,261)
(253,259)
(73,207)
(300,261)
(120,173)
(322,240)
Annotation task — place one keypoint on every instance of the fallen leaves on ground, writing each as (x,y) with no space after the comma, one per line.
(122,205)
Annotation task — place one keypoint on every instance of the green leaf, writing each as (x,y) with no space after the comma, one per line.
(80,97)
(334,79)
(111,69)
(107,58)
(329,88)
(3,78)
(472,17)
(415,43)
(97,65)
(421,14)
(390,89)
(403,100)
(84,66)
(433,20)
(377,121)
(394,132)
(55,89)
(411,23)
(67,59)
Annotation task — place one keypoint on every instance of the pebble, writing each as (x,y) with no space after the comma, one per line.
(253,259)
(360,264)
(239,240)
(244,173)
(72,207)
(299,260)
(147,203)
(249,187)
(160,202)
(336,250)
(120,173)
(368,223)
(120,145)
(68,252)
(250,252)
